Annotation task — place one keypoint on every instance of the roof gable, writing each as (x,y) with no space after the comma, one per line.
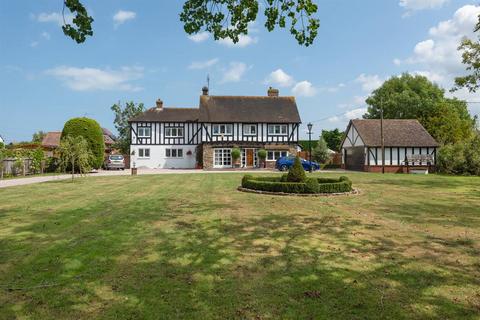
(397,133)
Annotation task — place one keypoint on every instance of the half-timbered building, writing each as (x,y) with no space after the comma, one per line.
(407,146)
(165,137)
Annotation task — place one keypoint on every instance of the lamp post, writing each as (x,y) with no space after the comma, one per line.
(309,126)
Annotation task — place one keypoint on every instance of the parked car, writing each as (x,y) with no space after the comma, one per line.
(114,161)
(284,163)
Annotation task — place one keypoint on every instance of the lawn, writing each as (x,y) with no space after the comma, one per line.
(192,247)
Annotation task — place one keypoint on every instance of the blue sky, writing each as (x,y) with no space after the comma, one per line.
(140,52)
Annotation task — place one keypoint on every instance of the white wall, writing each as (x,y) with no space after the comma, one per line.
(398,155)
(157,157)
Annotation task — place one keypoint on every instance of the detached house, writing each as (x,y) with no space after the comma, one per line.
(188,137)
(407,146)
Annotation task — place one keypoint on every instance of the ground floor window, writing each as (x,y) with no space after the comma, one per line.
(222,158)
(174,153)
(274,155)
(144,153)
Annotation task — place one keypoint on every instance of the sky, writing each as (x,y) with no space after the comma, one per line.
(140,52)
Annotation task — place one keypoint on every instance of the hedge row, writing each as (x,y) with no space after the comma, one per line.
(311,185)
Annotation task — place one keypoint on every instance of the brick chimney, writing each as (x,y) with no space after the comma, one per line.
(159,104)
(272,92)
(205,91)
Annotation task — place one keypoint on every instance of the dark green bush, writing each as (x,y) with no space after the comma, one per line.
(91,131)
(311,185)
(296,173)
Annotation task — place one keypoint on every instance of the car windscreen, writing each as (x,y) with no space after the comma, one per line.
(116,157)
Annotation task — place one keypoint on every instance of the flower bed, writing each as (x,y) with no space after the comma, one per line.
(309,186)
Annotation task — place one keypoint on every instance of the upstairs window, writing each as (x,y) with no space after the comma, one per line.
(222,129)
(250,129)
(173,132)
(144,132)
(277,129)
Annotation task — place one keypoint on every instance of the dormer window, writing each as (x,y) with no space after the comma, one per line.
(277,129)
(144,132)
(173,132)
(249,129)
(222,129)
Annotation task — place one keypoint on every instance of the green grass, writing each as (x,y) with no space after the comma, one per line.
(192,247)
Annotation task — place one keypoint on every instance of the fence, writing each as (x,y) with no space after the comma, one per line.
(11,166)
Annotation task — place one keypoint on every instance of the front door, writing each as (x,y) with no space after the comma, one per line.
(249,157)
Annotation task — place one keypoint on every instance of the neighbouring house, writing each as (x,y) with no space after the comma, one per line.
(407,146)
(205,136)
(51,141)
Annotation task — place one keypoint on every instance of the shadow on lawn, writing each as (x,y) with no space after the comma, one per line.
(121,266)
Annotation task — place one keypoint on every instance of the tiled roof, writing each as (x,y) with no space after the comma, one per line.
(397,133)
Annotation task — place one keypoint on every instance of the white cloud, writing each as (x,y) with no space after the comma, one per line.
(235,72)
(243,41)
(279,78)
(45,35)
(356,113)
(437,56)
(304,88)
(199,37)
(123,16)
(90,79)
(422,4)
(33,44)
(369,82)
(203,64)
(54,17)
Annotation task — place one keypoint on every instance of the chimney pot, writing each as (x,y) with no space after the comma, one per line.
(159,104)
(205,91)
(272,92)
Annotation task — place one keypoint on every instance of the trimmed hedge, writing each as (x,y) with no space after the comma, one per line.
(311,185)
(91,131)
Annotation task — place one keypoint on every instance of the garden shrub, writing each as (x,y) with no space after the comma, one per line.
(296,173)
(311,185)
(91,131)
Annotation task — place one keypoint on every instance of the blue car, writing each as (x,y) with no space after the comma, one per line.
(284,163)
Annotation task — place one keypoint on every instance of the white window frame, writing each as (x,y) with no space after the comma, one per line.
(274,155)
(227,129)
(169,132)
(249,131)
(174,153)
(142,132)
(222,158)
(141,153)
(277,129)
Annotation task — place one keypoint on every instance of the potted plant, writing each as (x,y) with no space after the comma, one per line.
(236,153)
(262,155)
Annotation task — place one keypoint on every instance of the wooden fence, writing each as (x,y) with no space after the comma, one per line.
(11,166)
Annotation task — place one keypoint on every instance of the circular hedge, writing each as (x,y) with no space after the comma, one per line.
(91,131)
(309,186)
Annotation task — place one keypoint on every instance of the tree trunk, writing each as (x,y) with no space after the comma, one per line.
(73,168)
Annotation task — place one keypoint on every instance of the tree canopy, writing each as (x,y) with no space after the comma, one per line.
(320,153)
(122,114)
(333,138)
(471,58)
(222,18)
(415,97)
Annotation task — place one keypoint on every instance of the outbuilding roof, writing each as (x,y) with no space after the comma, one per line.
(396,132)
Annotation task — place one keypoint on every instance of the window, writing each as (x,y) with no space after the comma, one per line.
(174,153)
(173,132)
(274,155)
(222,158)
(250,129)
(277,129)
(144,132)
(143,153)
(222,129)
